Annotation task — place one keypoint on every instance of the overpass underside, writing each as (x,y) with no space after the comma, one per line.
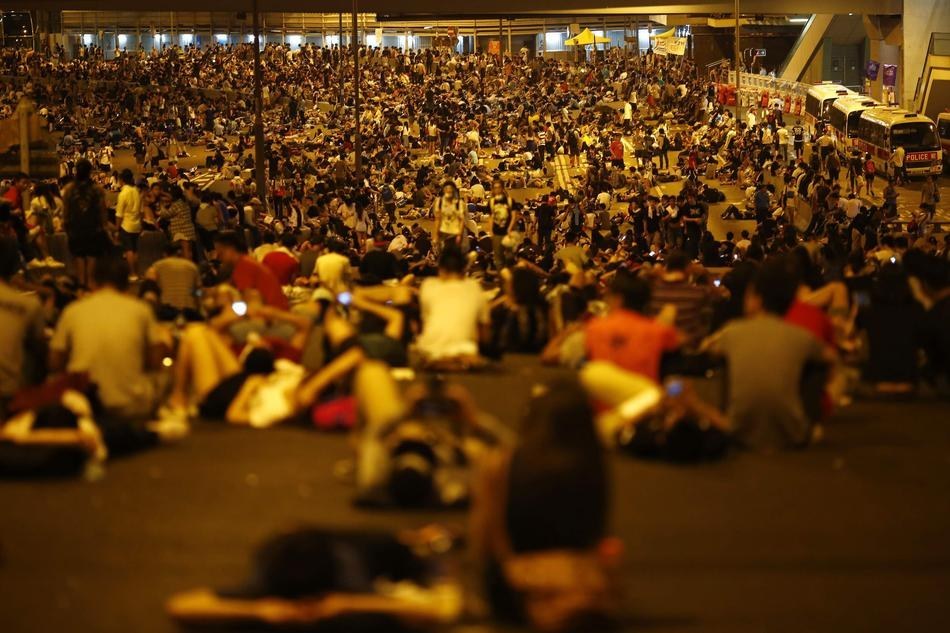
(805,40)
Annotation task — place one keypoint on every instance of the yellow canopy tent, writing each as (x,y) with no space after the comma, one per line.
(586,37)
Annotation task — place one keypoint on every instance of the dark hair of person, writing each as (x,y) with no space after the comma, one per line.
(776,283)
(259,361)
(112,270)
(755,252)
(411,483)
(677,261)
(83,169)
(526,287)
(452,260)
(9,257)
(127,176)
(558,493)
(891,287)
(633,291)
(935,273)
(296,565)
(230,239)
(807,271)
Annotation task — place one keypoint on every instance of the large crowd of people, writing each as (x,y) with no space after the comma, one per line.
(505,206)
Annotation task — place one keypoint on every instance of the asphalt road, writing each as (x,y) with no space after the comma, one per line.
(850,535)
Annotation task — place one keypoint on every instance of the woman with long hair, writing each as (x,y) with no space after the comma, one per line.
(539,516)
(85,221)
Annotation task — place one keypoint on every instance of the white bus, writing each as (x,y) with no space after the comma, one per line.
(819,100)
(882,129)
(843,117)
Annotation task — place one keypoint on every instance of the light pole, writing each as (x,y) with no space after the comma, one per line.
(259,177)
(357,140)
(738,72)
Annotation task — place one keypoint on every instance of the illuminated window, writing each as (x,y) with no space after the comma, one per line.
(87,39)
(186,39)
(221,38)
(123,39)
(371,40)
(294,40)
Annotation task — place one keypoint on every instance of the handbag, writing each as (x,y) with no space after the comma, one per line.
(338,414)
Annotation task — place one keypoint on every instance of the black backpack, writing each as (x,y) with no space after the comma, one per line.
(83,208)
(687,441)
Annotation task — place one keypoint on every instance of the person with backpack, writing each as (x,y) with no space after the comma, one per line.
(450,214)
(85,221)
(388,196)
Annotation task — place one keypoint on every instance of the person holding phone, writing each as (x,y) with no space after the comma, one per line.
(243,348)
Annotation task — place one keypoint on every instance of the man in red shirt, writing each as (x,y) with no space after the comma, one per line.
(616,153)
(282,262)
(246,273)
(812,319)
(14,195)
(625,336)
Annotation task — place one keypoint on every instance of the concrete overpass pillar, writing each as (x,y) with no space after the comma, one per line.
(885,35)
(921,18)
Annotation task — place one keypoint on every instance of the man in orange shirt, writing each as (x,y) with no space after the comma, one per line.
(625,336)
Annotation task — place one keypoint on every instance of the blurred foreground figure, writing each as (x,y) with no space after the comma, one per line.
(335,581)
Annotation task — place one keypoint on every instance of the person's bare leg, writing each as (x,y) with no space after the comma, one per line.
(41,245)
(379,402)
(130,260)
(204,360)
(627,395)
(80,271)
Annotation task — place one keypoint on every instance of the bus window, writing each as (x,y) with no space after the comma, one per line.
(943,125)
(836,119)
(812,106)
(915,136)
(853,122)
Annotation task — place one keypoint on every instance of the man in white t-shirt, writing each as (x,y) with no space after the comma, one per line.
(333,268)
(454,310)
(782,134)
(851,206)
